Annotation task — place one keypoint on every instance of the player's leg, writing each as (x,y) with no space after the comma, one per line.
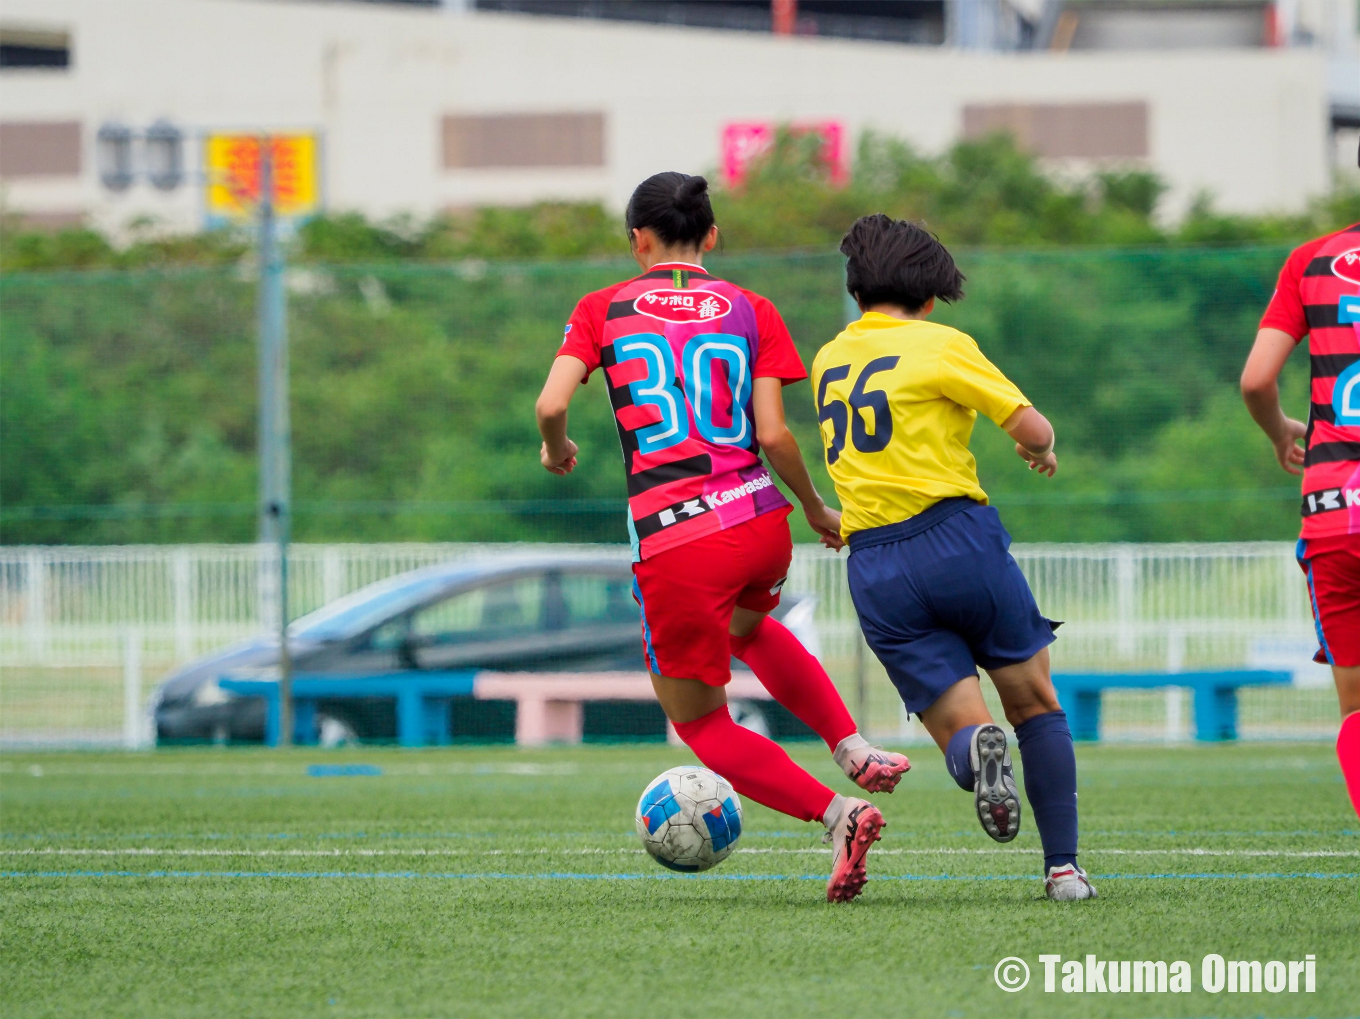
(1334,590)
(759,769)
(1013,647)
(977,590)
(790,672)
(916,598)
(976,755)
(1348,740)
(795,679)
(1050,761)
(686,596)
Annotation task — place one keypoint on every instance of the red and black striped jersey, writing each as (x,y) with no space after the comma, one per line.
(679,350)
(1318,295)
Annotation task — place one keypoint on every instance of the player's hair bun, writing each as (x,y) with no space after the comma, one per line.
(673,204)
(691,192)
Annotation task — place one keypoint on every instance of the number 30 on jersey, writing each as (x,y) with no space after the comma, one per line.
(851,417)
(658,389)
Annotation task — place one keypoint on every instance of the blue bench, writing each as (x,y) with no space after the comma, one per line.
(1215,696)
(423,699)
(423,709)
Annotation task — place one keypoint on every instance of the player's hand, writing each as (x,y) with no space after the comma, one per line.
(827,523)
(1046,464)
(1287,448)
(563,464)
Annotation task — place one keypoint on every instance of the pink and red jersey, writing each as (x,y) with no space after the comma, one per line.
(680,349)
(1318,295)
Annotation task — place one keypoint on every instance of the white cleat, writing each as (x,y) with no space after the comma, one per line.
(872,768)
(851,839)
(1068,883)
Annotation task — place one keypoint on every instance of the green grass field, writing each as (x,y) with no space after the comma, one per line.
(500,882)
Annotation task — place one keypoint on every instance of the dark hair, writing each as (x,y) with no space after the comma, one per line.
(673,204)
(891,261)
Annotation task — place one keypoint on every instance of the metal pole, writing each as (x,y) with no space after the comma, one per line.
(133,714)
(275,439)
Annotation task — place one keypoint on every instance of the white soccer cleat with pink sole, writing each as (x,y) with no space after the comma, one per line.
(872,768)
(851,841)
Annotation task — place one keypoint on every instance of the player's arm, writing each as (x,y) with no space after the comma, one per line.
(781,449)
(1034,439)
(559,452)
(969,379)
(1261,392)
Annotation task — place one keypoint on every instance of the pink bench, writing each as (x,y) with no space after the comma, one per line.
(549,704)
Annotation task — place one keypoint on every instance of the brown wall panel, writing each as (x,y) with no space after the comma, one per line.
(39,149)
(1066,130)
(523,140)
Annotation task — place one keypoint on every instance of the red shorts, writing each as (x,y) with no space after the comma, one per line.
(687,594)
(1333,569)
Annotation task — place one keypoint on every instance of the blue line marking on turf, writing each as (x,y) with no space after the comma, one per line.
(214,836)
(568,876)
(341,770)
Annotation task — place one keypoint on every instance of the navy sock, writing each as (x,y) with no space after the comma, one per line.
(956,757)
(1051,784)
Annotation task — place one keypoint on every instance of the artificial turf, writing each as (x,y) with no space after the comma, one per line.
(497,881)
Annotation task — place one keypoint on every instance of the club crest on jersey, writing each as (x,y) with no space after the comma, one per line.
(1347,265)
(682,305)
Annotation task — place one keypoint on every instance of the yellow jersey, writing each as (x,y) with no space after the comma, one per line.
(896,400)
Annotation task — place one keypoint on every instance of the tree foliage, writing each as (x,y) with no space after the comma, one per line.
(413,386)
(418,349)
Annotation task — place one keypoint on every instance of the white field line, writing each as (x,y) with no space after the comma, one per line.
(942,851)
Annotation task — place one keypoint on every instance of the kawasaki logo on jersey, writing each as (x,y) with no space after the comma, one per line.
(741,491)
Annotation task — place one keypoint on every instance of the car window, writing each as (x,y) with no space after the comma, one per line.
(358,610)
(593,599)
(484,613)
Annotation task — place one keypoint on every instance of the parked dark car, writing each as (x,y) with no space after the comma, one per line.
(518,614)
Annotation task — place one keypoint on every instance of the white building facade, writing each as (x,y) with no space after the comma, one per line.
(421,110)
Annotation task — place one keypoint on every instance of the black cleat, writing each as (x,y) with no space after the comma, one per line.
(994,792)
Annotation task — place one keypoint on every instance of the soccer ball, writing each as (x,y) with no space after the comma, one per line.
(689,819)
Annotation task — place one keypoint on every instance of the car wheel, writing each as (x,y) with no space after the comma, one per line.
(332,732)
(748,716)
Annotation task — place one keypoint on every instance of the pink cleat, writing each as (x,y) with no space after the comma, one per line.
(851,839)
(871,768)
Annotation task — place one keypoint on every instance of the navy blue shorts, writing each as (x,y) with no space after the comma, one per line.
(939,594)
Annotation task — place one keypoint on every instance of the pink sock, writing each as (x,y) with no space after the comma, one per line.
(757,768)
(795,679)
(1348,753)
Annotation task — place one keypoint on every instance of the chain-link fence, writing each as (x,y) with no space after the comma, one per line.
(128,399)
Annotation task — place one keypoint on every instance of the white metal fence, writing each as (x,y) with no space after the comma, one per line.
(84,631)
